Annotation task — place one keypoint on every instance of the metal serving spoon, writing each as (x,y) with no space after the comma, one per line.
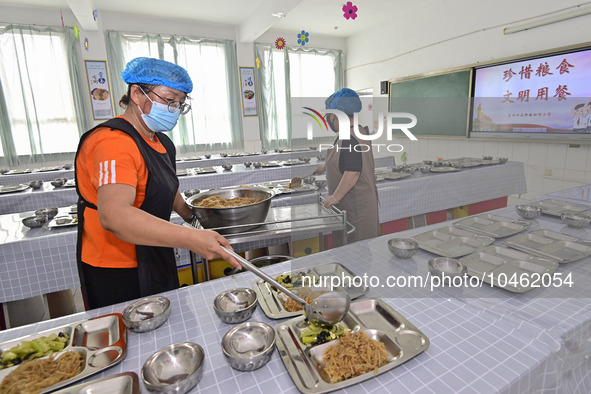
(329,308)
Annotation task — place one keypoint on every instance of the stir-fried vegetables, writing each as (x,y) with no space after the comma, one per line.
(317,334)
(37,348)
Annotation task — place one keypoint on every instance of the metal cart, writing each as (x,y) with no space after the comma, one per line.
(283,225)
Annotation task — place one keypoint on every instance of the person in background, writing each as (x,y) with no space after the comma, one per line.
(127,186)
(350,172)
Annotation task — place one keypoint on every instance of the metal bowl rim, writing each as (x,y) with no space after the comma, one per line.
(268,346)
(156,299)
(160,386)
(223,293)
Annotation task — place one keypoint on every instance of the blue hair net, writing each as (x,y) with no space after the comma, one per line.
(345,100)
(157,72)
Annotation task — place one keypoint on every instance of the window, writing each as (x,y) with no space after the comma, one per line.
(312,74)
(214,121)
(41,119)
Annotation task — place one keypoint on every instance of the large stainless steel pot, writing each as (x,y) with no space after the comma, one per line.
(233,216)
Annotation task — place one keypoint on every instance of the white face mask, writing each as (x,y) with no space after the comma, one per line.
(160,118)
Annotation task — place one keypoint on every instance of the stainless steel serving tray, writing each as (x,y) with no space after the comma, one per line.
(392,176)
(493,225)
(18,172)
(272,302)
(301,189)
(122,383)
(292,162)
(266,164)
(444,169)
(496,265)
(373,316)
(70,220)
(551,245)
(204,170)
(558,207)
(452,242)
(13,188)
(47,169)
(102,340)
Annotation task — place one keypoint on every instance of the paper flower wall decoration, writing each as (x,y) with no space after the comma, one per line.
(258,62)
(350,11)
(86,43)
(95,15)
(280,43)
(76,31)
(303,37)
(62,18)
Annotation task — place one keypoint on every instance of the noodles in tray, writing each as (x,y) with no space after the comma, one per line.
(221,202)
(353,355)
(36,375)
(291,305)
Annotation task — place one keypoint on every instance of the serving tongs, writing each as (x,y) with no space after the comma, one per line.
(329,308)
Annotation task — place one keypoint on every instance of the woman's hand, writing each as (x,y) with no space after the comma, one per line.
(330,201)
(208,244)
(319,170)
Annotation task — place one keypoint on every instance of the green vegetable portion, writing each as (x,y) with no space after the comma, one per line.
(317,334)
(37,348)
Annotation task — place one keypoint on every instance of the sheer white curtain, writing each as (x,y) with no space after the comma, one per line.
(214,121)
(42,111)
(287,75)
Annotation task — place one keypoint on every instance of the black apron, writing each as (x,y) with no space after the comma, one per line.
(156,265)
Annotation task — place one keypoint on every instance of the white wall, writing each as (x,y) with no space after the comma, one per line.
(436,35)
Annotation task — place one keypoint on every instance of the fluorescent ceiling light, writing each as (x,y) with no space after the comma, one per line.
(547,21)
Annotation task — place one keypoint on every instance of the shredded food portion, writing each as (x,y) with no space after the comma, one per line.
(221,202)
(34,376)
(292,306)
(353,355)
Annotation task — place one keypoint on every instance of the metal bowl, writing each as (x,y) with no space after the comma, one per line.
(313,147)
(308,180)
(425,169)
(264,151)
(321,158)
(235,306)
(247,163)
(440,266)
(249,346)
(403,248)
(304,159)
(176,368)
(67,166)
(224,154)
(528,211)
(207,156)
(146,314)
(320,183)
(35,221)
(233,216)
(227,166)
(36,184)
(4,171)
(191,192)
(503,160)
(59,182)
(257,164)
(575,220)
(49,212)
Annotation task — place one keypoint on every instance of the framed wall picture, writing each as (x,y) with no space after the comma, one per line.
(248,91)
(99,89)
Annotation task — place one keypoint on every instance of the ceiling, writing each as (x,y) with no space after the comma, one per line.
(253,17)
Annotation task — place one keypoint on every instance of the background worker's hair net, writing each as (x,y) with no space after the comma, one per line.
(345,100)
(157,72)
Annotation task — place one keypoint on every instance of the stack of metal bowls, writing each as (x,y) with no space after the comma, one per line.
(146,314)
(49,212)
(36,184)
(447,266)
(35,221)
(233,219)
(235,306)
(403,248)
(249,346)
(176,368)
(528,211)
(575,220)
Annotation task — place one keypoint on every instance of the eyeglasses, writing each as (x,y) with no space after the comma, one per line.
(173,106)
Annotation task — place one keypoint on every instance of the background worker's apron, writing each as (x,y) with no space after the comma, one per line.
(156,265)
(361,202)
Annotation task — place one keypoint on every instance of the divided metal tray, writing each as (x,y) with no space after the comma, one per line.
(13,188)
(551,245)
(493,225)
(204,170)
(558,207)
(452,242)
(122,383)
(392,176)
(102,340)
(271,301)
(373,316)
(63,221)
(444,169)
(498,266)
